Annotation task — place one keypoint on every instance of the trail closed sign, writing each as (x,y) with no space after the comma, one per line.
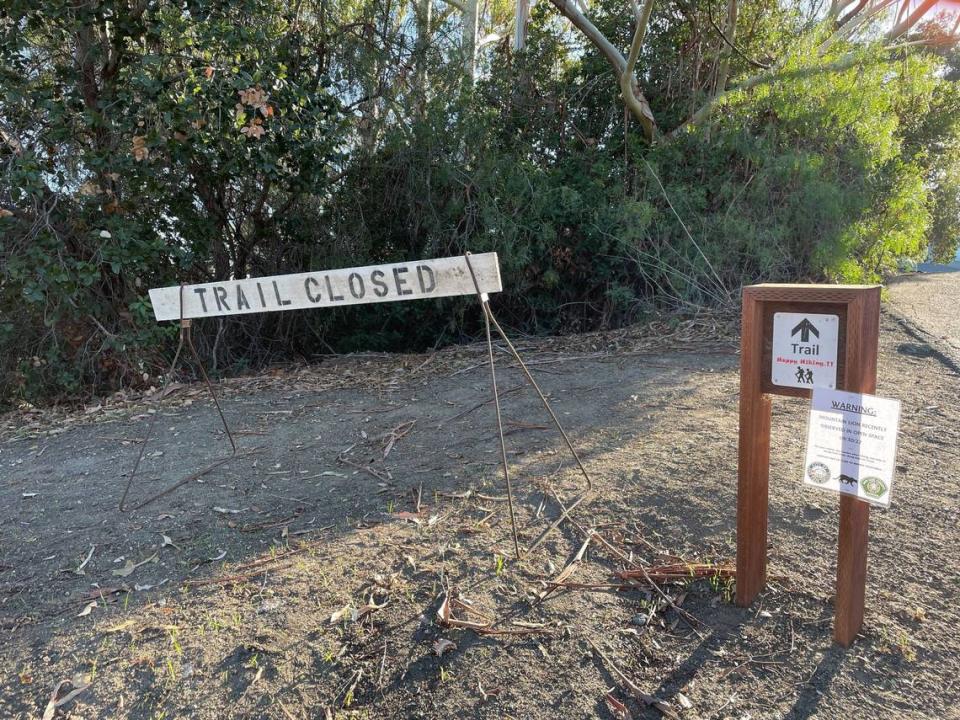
(418,279)
(805,350)
(852,444)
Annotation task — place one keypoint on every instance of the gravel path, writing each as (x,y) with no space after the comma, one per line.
(929,300)
(313,577)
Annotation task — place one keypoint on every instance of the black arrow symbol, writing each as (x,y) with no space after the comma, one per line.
(805,327)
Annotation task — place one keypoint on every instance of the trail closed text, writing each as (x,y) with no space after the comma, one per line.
(440,277)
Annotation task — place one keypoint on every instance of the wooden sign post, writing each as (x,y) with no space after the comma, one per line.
(795,338)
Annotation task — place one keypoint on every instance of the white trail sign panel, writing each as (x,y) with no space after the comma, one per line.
(415,280)
(805,350)
(852,444)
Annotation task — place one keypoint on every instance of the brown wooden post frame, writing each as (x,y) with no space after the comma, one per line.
(858,310)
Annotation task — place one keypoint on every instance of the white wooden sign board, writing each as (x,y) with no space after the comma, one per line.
(805,350)
(418,279)
(852,444)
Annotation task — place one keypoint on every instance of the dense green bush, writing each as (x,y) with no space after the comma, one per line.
(148,143)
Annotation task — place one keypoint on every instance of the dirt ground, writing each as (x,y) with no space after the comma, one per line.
(927,301)
(301,580)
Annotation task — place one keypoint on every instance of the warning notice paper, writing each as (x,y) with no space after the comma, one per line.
(852,444)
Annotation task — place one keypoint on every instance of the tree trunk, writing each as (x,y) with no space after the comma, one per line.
(520,25)
(471,28)
(423,11)
(730,31)
(633,98)
(907,24)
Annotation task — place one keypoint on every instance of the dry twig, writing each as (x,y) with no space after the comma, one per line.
(633,688)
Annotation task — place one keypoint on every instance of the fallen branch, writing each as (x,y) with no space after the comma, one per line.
(508,631)
(242,576)
(662,705)
(54,703)
(484,625)
(223,580)
(256,527)
(564,515)
(680,571)
(690,619)
(518,425)
(450,603)
(391,436)
(620,587)
(477,406)
(341,458)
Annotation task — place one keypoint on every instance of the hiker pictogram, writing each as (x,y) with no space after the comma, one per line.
(804,376)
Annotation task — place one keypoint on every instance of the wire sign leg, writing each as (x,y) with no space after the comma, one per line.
(185,338)
(489,318)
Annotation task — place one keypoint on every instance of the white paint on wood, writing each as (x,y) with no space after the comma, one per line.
(414,280)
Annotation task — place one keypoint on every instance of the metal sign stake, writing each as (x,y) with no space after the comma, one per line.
(437,277)
(185,337)
(488,318)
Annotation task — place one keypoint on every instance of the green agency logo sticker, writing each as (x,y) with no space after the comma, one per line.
(818,472)
(873,487)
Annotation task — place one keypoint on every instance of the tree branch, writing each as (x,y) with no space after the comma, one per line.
(905,25)
(634,100)
(837,6)
(520,24)
(489,39)
(10,140)
(454,4)
(632,96)
(852,24)
(643,19)
(771,75)
(730,35)
(756,63)
(850,15)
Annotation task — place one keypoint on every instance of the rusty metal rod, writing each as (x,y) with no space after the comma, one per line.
(185,336)
(489,317)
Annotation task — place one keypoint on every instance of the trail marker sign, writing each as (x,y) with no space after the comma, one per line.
(831,330)
(804,350)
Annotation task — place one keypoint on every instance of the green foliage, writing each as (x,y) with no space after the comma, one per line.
(842,193)
(149,143)
(146,144)
(936,136)
(945,221)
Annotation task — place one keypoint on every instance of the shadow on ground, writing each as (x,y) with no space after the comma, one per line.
(304,578)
